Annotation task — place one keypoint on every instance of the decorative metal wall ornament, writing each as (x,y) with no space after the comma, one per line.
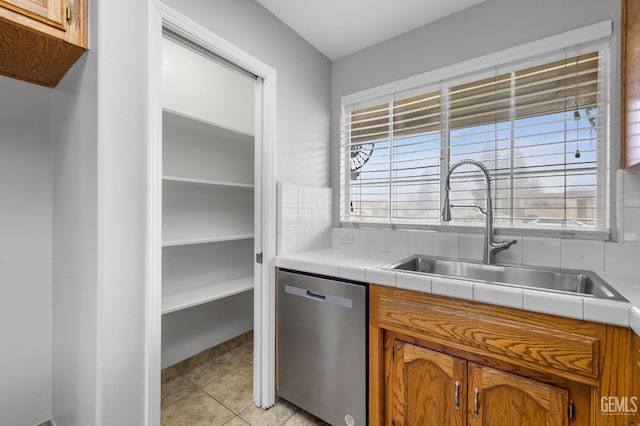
(360,154)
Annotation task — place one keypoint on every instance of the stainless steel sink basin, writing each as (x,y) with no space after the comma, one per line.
(583,283)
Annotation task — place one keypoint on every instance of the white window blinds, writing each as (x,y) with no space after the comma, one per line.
(539,129)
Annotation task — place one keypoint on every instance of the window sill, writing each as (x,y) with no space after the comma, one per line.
(562,233)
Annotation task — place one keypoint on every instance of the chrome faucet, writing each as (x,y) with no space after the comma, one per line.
(491,247)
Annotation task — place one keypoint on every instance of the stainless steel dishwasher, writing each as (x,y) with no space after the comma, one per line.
(322,346)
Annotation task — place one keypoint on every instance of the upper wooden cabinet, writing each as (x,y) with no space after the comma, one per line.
(630,83)
(41,39)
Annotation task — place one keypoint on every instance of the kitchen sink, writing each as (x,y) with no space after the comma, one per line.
(583,283)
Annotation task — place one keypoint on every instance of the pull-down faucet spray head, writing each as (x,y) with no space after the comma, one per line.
(446,202)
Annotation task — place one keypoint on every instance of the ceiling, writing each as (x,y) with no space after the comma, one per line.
(340,27)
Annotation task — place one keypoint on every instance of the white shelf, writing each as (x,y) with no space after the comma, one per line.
(205,153)
(210,128)
(208,182)
(198,296)
(205,240)
(192,213)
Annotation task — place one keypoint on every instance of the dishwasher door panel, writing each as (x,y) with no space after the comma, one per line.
(322,338)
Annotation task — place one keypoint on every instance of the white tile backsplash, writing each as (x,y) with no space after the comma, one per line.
(471,246)
(621,258)
(421,242)
(287,195)
(287,242)
(305,196)
(540,251)
(288,219)
(303,218)
(348,238)
(581,254)
(398,241)
(376,240)
(445,244)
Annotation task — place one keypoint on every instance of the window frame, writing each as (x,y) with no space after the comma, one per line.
(596,37)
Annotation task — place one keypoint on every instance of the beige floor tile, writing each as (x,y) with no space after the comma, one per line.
(302,418)
(176,389)
(210,371)
(274,416)
(244,352)
(234,390)
(236,421)
(198,409)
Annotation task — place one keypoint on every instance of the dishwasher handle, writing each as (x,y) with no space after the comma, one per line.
(316,296)
(312,295)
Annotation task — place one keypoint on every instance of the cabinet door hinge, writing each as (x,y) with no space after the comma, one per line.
(68,13)
(572,410)
(259,258)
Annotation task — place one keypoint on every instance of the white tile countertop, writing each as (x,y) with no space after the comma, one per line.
(367,266)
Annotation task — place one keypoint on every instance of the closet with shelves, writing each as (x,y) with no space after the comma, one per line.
(208,209)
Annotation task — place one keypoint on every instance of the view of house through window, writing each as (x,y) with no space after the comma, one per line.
(539,130)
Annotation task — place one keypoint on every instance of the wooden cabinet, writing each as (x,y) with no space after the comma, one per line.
(430,388)
(499,398)
(635,390)
(440,361)
(425,387)
(41,39)
(630,83)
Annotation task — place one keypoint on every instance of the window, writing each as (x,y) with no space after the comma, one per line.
(539,126)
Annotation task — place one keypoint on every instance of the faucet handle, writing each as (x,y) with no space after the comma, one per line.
(502,245)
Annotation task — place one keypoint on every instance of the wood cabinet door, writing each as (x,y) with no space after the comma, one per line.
(630,41)
(427,388)
(500,398)
(51,12)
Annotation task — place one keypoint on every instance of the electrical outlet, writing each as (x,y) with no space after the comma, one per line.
(346,238)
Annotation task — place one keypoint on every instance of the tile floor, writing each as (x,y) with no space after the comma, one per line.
(220,393)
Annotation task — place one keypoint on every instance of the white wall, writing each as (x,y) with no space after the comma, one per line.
(100,225)
(122,210)
(25,253)
(488,27)
(304,78)
(75,244)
